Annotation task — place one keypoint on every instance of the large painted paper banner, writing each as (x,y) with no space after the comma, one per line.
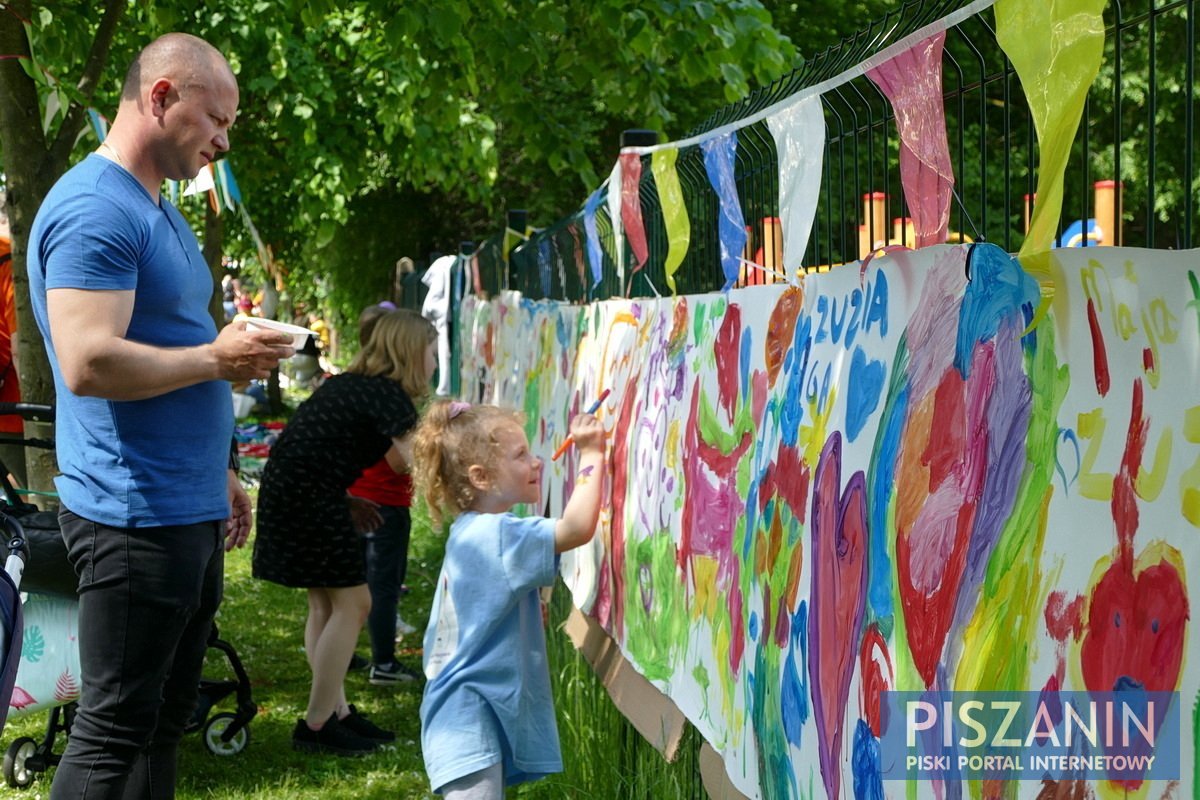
(893,478)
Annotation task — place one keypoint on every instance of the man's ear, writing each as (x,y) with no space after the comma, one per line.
(160,96)
(478,476)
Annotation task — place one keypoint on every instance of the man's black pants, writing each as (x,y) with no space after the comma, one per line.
(147,597)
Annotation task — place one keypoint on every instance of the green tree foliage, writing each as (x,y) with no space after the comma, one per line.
(347,104)
(465,107)
(814,26)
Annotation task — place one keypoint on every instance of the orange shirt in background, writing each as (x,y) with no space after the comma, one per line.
(10,387)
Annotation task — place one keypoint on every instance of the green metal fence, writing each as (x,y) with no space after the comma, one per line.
(1133,168)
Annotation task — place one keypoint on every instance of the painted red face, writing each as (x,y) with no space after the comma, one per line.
(1137,617)
(1138,608)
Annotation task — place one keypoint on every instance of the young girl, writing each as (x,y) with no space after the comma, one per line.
(487,718)
(307,536)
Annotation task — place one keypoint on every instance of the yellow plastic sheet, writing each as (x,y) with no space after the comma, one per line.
(675,218)
(1055,47)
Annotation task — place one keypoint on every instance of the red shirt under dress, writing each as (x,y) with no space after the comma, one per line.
(379,482)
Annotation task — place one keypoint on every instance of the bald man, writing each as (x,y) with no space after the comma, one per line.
(145,418)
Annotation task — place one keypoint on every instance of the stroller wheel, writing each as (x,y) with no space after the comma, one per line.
(16,773)
(212,736)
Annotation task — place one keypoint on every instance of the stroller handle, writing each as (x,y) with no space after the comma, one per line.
(33,412)
(17,549)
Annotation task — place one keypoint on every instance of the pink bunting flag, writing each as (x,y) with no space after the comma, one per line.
(912,83)
(631,209)
(476,278)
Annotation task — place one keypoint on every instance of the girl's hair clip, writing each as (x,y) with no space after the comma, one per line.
(457,407)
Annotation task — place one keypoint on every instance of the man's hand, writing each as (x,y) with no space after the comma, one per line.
(245,354)
(237,527)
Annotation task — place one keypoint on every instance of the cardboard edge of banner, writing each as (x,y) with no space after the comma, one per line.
(652,713)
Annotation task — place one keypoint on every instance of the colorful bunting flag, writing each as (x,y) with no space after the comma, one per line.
(631,210)
(543,261)
(231,187)
(264,252)
(99,123)
(731,225)
(617,253)
(595,255)
(675,217)
(1055,47)
(577,252)
(912,83)
(799,133)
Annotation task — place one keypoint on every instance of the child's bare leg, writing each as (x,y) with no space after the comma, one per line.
(486,784)
(331,654)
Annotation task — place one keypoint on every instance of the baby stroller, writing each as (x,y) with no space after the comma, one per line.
(47,674)
(11,620)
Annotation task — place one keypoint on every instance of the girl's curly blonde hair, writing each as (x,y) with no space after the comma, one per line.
(450,438)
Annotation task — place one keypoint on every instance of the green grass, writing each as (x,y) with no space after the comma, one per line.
(603,756)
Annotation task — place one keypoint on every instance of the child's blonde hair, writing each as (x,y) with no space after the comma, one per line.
(396,349)
(451,437)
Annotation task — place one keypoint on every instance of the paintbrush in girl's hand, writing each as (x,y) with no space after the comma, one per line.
(562,448)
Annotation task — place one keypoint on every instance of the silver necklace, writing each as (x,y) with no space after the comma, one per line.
(115,154)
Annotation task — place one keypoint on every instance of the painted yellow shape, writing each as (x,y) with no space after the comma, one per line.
(704,578)
(1093,485)
(1191,424)
(1148,483)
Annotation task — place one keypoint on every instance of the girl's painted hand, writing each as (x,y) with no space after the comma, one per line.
(588,433)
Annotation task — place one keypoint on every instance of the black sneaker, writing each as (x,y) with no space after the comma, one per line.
(391,674)
(334,737)
(359,725)
(357,662)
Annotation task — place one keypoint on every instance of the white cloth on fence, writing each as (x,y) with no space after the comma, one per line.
(436,309)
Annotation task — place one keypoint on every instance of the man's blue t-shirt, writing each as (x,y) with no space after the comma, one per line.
(136,463)
(488,698)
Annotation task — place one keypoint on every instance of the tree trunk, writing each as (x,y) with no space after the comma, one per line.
(32,163)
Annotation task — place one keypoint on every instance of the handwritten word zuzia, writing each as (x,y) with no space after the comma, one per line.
(866,306)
